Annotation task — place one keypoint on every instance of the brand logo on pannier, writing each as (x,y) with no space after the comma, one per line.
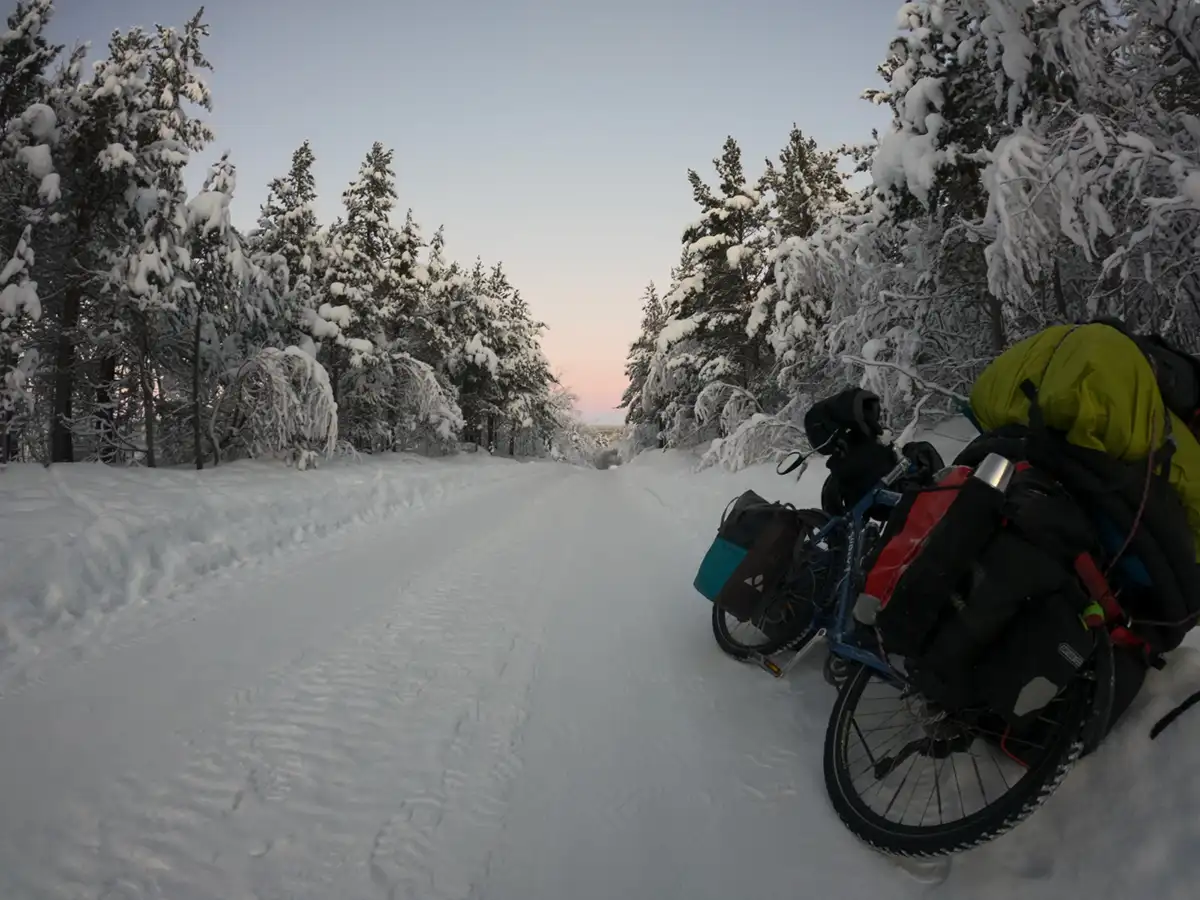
(1070,654)
(756,582)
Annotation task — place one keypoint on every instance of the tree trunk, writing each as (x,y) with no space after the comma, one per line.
(996,316)
(105,413)
(491,432)
(149,407)
(7,443)
(335,372)
(512,441)
(1060,298)
(197,447)
(393,428)
(62,442)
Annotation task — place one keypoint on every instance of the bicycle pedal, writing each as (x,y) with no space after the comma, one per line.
(770,666)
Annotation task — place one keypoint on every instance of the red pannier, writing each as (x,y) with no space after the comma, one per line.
(919,512)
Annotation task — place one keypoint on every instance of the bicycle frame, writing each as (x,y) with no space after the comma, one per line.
(836,627)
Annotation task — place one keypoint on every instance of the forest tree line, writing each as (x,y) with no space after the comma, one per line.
(138,325)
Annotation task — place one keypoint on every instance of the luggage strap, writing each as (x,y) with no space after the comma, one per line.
(1174,714)
(1106,610)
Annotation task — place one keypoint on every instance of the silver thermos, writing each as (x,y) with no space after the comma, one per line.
(995,470)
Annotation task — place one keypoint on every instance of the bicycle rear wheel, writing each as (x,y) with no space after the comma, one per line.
(875,793)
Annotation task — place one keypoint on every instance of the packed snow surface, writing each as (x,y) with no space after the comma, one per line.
(459,679)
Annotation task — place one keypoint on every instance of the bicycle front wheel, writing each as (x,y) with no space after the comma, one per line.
(747,640)
(788,622)
(912,783)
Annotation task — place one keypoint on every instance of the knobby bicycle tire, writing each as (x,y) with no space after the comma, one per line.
(789,641)
(1009,810)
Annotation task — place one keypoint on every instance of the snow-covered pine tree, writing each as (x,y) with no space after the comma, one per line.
(805,186)
(363,276)
(436,265)
(371,247)
(471,363)
(288,232)
(25,57)
(249,393)
(373,286)
(287,222)
(409,327)
(502,342)
(152,275)
(219,310)
(408,251)
(901,278)
(98,120)
(432,343)
(28,182)
(567,439)
(525,378)
(673,378)
(714,335)
(641,353)
(423,410)
(18,298)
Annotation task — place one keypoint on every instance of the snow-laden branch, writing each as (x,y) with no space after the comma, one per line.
(907,373)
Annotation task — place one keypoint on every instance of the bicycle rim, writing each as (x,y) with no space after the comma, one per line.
(932,792)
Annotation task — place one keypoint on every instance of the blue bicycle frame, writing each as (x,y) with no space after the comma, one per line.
(837,624)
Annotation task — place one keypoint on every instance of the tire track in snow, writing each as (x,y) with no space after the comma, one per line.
(380,768)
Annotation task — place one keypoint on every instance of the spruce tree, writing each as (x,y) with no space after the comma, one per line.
(28,183)
(728,249)
(360,279)
(472,361)
(805,186)
(287,222)
(409,328)
(641,354)
(364,274)
(153,274)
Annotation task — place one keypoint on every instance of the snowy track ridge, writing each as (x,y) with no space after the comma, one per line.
(93,551)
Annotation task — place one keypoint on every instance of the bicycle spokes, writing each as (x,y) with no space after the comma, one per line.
(914,765)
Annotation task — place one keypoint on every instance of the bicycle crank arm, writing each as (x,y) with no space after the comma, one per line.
(803,651)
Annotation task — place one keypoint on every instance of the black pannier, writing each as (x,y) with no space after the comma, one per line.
(750,555)
(987,608)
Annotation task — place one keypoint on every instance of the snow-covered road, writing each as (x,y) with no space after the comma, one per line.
(511,693)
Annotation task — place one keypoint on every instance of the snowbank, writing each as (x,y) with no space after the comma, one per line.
(81,541)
